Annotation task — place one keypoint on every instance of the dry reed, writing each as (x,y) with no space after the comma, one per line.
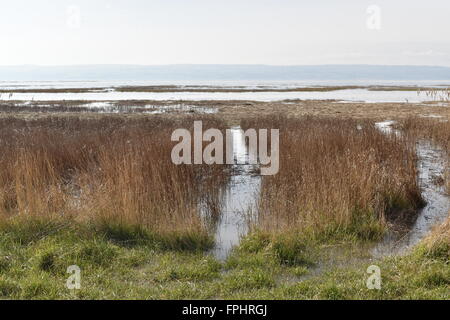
(436,130)
(337,177)
(104,170)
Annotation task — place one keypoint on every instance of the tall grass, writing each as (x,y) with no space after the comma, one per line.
(435,130)
(337,178)
(104,172)
(437,243)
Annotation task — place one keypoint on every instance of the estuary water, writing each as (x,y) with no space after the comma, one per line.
(107,91)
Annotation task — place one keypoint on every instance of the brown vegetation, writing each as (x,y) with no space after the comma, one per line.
(437,131)
(438,242)
(104,170)
(337,177)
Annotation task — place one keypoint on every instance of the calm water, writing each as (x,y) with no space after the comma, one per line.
(239,202)
(109,94)
(242,194)
(431,163)
(219,84)
(356,95)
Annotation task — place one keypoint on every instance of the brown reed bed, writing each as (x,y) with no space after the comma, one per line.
(337,179)
(436,130)
(110,173)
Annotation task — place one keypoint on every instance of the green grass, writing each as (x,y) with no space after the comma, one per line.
(131,264)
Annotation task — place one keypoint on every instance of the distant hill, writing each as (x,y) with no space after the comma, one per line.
(223,72)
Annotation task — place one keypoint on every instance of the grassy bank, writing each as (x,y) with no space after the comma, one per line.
(34,267)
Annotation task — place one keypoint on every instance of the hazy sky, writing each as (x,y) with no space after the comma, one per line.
(282,32)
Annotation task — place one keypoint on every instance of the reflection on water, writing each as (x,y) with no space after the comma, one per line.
(355,95)
(111,107)
(239,200)
(386,126)
(247,84)
(431,164)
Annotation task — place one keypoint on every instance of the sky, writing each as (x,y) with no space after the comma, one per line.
(276,32)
